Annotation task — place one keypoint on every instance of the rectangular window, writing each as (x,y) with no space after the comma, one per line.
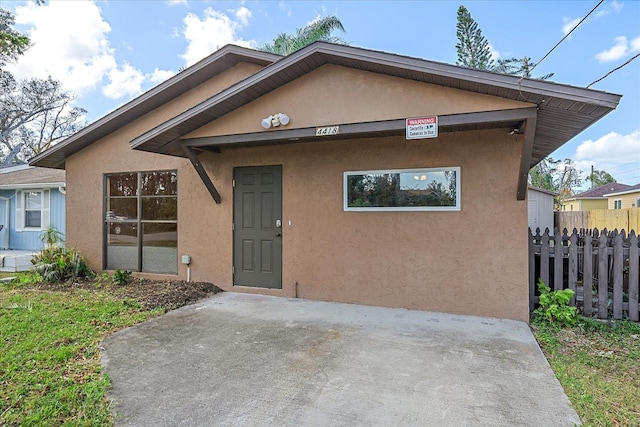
(141,217)
(32,210)
(617,204)
(436,189)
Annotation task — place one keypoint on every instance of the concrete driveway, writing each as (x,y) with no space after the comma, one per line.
(249,360)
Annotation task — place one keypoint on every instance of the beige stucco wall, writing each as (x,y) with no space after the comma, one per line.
(470,262)
(85,169)
(333,95)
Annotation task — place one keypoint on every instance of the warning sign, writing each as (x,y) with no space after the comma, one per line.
(422,127)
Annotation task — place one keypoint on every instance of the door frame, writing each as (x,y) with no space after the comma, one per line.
(278,168)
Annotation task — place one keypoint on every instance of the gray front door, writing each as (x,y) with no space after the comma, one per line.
(257,225)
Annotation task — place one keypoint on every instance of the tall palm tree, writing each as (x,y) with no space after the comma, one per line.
(320,29)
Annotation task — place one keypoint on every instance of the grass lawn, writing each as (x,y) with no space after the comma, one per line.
(3,275)
(50,371)
(598,364)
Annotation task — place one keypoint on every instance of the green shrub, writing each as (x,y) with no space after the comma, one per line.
(554,307)
(51,236)
(121,277)
(58,263)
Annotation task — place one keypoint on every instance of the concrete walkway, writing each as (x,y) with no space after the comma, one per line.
(249,360)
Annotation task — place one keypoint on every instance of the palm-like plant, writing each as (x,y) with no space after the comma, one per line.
(320,29)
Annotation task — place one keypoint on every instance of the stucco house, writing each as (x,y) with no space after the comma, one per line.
(623,199)
(335,173)
(594,198)
(31,199)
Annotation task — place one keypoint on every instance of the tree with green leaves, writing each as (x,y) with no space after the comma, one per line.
(12,43)
(34,113)
(598,178)
(320,29)
(560,176)
(474,50)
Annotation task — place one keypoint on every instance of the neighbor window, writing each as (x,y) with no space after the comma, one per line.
(617,204)
(32,210)
(436,189)
(141,221)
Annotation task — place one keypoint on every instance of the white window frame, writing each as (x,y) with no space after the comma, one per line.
(618,203)
(455,169)
(45,210)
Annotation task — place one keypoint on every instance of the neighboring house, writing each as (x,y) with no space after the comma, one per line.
(540,209)
(592,199)
(294,177)
(31,199)
(623,199)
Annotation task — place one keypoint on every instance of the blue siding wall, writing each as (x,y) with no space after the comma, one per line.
(30,240)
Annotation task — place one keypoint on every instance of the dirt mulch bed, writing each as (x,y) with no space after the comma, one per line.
(151,294)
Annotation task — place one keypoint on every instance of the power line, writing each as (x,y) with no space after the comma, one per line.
(567,35)
(615,69)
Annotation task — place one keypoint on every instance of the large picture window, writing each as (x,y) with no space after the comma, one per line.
(141,221)
(435,189)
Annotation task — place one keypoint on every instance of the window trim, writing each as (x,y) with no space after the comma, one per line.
(456,208)
(139,222)
(21,209)
(615,202)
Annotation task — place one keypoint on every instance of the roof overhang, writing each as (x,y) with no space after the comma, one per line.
(622,193)
(218,62)
(32,186)
(562,111)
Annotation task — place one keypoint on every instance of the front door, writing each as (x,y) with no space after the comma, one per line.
(257,227)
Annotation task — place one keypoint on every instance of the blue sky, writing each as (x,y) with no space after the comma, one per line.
(108,52)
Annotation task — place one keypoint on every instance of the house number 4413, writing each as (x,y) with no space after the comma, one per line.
(329,130)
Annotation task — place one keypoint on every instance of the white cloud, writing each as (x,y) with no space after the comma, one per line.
(286,8)
(495,54)
(610,149)
(621,48)
(78,62)
(243,14)
(569,24)
(613,6)
(70,43)
(176,2)
(216,29)
(158,76)
(616,6)
(612,153)
(125,80)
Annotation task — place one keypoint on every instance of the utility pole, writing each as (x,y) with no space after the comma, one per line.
(591,176)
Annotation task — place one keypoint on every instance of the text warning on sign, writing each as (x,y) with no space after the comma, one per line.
(422,127)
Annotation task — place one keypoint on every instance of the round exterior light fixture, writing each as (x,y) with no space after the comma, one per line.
(275,120)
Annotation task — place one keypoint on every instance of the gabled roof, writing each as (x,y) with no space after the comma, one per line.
(563,111)
(631,189)
(216,63)
(31,177)
(599,192)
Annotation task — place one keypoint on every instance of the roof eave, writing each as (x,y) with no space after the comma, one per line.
(46,159)
(32,185)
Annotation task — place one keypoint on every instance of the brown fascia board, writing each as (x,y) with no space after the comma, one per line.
(152,99)
(323,52)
